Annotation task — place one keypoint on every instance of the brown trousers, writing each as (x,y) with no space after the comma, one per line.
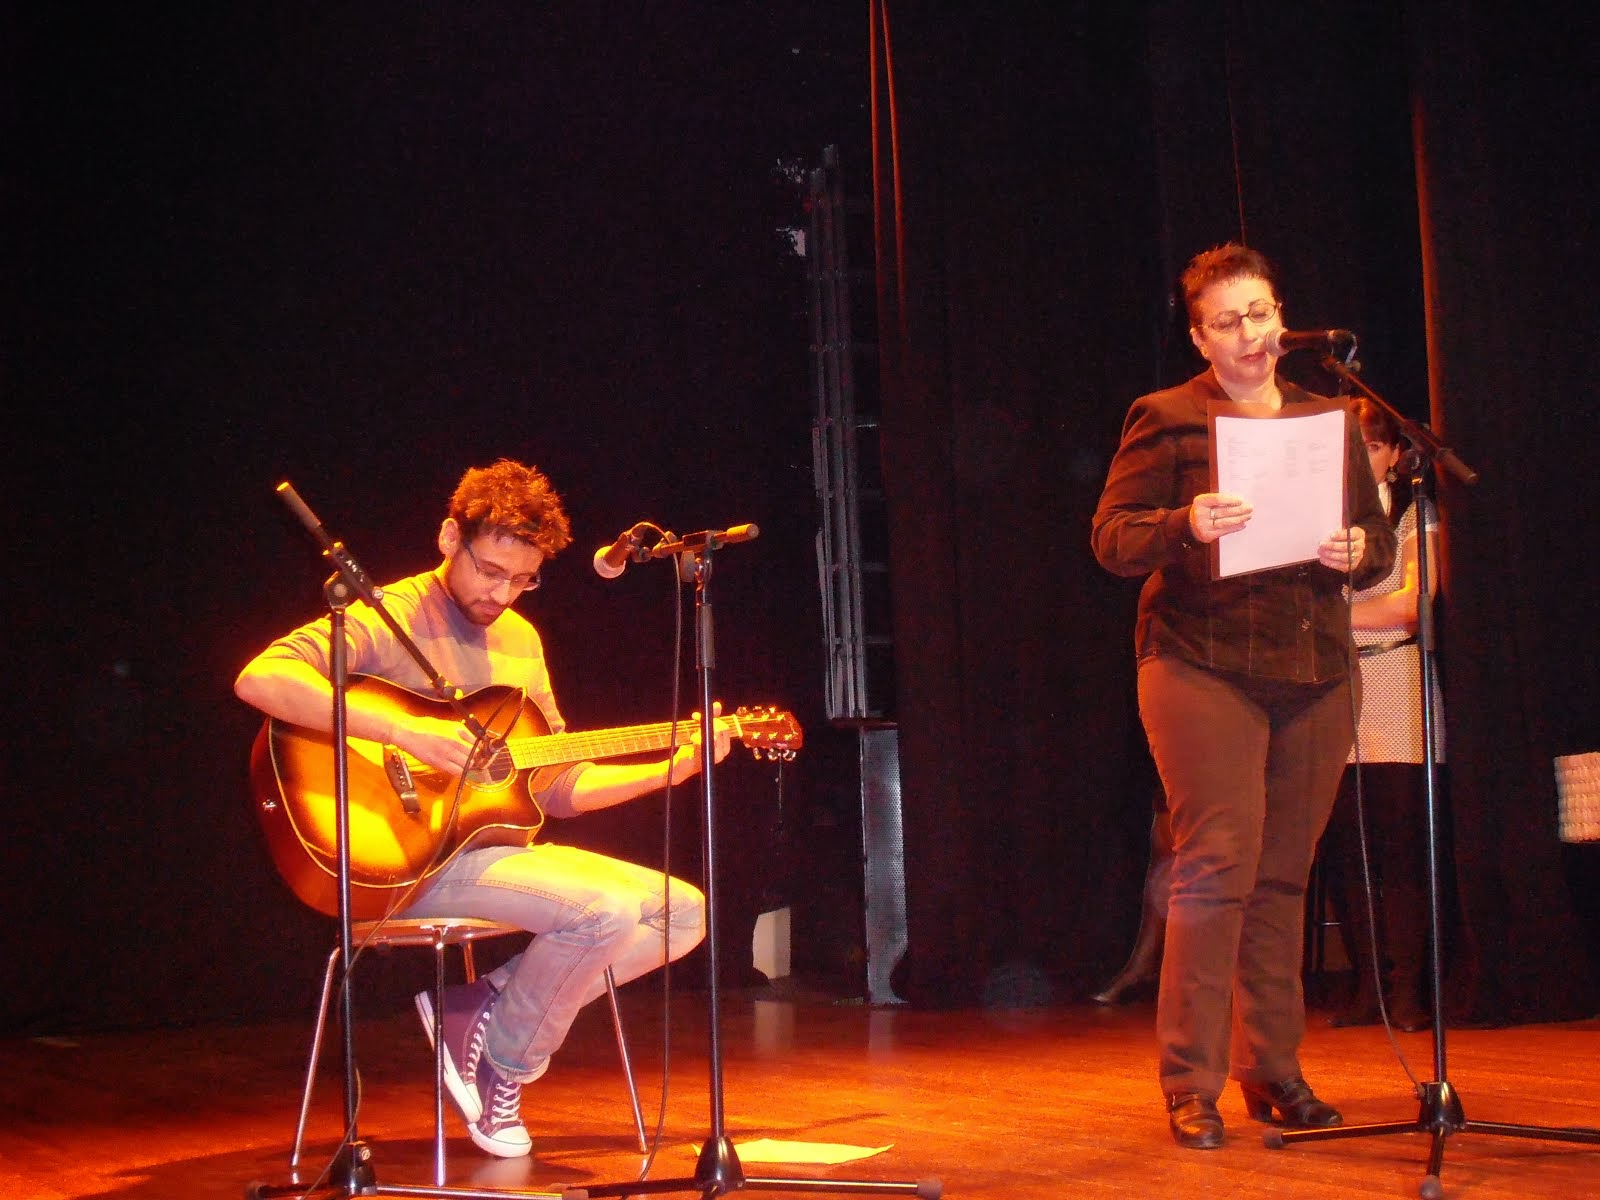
(1250,769)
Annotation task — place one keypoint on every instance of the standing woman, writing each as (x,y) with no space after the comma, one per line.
(1244,691)
(1384,617)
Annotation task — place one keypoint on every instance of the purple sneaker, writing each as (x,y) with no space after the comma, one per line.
(466,1020)
(499,1130)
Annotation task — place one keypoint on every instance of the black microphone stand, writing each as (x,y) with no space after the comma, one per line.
(718,1170)
(1441,1113)
(352,1172)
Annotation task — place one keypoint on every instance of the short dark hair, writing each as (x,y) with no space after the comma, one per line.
(512,499)
(1223,264)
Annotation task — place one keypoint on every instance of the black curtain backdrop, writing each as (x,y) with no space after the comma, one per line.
(362,248)
(1032,288)
(1062,165)
(1504,117)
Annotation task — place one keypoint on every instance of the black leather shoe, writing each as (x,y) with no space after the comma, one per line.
(1295,1102)
(1409,1016)
(1196,1124)
(1356,1014)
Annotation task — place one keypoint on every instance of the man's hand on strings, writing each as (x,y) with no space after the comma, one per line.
(687,762)
(444,745)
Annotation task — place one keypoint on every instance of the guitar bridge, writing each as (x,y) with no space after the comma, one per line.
(405,787)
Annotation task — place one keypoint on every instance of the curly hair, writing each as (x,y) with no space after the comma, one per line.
(1223,264)
(512,499)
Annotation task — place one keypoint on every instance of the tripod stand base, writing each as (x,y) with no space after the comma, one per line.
(263,1191)
(1440,1115)
(350,1174)
(718,1172)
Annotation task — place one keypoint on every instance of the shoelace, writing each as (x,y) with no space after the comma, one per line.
(505,1105)
(469,1068)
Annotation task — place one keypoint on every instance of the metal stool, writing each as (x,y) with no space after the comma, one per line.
(438,933)
(1319,918)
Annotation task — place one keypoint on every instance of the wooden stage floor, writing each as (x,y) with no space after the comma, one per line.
(1056,1102)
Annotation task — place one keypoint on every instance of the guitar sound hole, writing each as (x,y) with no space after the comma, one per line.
(493,767)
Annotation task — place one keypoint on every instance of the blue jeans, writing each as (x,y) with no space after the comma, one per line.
(587,912)
(1250,769)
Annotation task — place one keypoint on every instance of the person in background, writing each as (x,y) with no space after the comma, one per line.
(1390,744)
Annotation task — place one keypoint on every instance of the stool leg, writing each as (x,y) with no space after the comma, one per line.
(439,935)
(1316,917)
(316,1054)
(627,1061)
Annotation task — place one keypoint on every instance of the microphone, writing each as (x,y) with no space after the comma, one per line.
(611,561)
(1282,341)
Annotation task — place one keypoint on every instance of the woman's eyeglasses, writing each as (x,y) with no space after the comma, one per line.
(1259,313)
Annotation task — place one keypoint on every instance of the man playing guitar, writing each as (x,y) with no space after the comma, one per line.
(589,912)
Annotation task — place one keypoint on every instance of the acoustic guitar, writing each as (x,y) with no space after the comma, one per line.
(408,820)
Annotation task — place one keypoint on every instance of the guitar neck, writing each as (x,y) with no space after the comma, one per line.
(552,749)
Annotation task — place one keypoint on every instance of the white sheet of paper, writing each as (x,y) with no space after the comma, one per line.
(1291,470)
(771,1150)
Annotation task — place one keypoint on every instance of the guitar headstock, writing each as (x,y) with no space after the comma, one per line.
(769,732)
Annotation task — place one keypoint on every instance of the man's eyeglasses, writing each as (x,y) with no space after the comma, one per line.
(519,583)
(1259,313)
